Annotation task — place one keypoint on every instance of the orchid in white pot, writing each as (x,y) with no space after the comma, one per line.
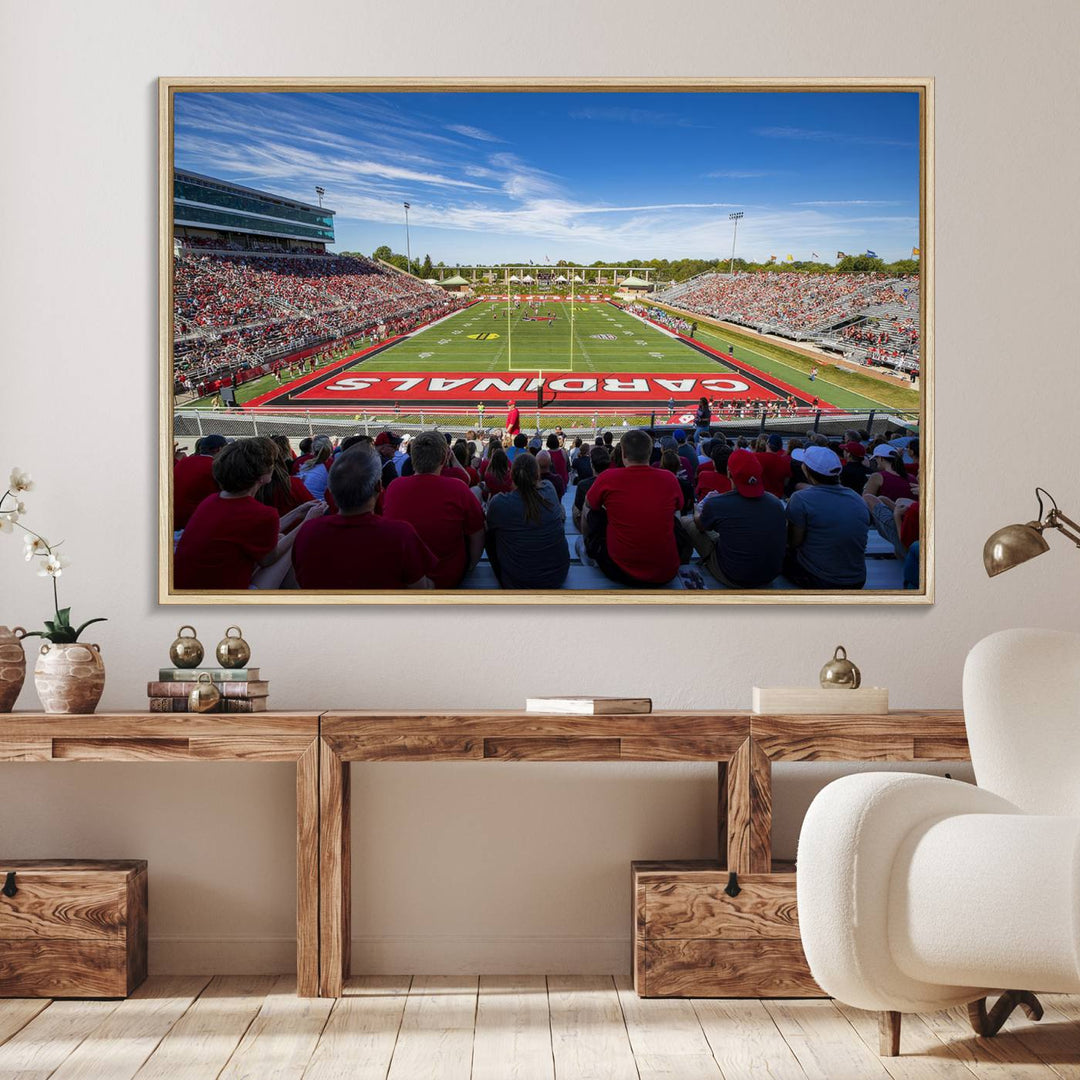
(69,675)
(50,562)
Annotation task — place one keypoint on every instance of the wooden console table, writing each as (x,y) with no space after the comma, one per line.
(743,746)
(260,737)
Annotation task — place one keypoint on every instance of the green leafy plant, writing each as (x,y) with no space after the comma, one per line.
(51,563)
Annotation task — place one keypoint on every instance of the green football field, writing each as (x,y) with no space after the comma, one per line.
(491,336)
(581,337)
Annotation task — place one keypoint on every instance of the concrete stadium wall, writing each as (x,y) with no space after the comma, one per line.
(516,867)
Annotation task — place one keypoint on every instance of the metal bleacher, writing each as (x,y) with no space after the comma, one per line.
(883,569)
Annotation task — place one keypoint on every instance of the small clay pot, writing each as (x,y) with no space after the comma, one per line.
(69,678)
(12,666)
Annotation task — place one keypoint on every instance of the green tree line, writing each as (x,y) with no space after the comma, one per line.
(678,269)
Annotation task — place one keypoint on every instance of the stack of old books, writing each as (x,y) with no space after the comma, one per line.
(241,689)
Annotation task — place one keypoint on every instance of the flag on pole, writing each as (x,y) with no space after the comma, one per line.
(791,258)
(814,255)
(772,258)
(841,255)
(872,254)
(914,253)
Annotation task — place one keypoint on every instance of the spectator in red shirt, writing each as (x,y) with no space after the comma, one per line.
(355,548)
(560,460)
(193,478)
(444,512)
(547,472)
(231,535)
(513,418)
(284,492)
(305,455)
(633,540)
(714,477)
(775,466)
(496,476)
(460,451)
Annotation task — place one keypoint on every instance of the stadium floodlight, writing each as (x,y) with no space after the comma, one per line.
(408,247)
(735,217)
(320,192)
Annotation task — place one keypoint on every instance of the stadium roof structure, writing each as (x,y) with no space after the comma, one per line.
(222,207)
(634,282)
(457,279)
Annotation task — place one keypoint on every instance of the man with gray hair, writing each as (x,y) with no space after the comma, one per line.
(444,512)
(356,548)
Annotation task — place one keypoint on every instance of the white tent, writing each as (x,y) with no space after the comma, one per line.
(561,277)
(527,279)
(514,277)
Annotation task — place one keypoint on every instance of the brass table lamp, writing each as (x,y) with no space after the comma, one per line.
(1015,544)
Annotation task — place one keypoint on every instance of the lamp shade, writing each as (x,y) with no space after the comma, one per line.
(1012,545)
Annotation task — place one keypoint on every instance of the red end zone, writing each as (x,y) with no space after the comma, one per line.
(574,389)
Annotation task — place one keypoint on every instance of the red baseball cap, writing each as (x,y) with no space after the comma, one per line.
(744,468)
(854,449)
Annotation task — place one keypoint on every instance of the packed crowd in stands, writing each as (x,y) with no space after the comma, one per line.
(240,310)
(664,318)
(792,301)
(396,511)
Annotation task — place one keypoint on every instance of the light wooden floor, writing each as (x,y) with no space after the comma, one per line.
(515,1028)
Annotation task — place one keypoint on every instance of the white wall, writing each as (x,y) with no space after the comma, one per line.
(492,867)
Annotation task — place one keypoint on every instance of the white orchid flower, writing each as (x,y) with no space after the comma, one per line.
(7,521)
(53,566)
(34,545)
(20,481)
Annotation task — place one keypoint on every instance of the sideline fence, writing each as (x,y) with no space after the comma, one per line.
(191,424)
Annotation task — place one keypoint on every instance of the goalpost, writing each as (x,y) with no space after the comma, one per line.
(560,363)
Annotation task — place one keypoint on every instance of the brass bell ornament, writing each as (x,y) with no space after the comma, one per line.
(186,651)
(233,652)
(204,696)
(840,673)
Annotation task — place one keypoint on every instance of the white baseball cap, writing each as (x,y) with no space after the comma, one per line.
(822,460)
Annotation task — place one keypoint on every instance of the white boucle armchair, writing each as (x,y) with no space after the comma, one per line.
(917,893)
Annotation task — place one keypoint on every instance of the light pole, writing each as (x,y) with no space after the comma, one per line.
(734,232)
(408,248)
(320,191)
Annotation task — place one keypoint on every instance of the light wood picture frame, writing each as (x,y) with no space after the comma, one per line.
(180,424)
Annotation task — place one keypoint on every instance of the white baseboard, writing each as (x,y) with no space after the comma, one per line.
(430,954)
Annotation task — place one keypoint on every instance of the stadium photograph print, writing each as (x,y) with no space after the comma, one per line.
(537,341)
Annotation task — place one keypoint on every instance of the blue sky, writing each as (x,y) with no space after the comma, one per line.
(497,177)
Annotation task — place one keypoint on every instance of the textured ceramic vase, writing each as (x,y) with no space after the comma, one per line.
(69,678)
(12,667)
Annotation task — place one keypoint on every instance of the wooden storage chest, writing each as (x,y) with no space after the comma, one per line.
(71,928)
(693,939)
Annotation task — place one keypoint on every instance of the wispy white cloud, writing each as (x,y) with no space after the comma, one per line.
(739,174)
(621,114)
(471,132)
(811,135)
(849,202)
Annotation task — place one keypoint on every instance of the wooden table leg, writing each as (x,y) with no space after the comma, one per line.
(307,872)
(722,813)
(334,872)
(749,810)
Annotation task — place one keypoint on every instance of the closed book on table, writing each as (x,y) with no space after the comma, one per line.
(72,928)
(191,674)
(588,706)
(225,689)
(231,705)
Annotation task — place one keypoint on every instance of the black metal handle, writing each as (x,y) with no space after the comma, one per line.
(732,887)
(9,884)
